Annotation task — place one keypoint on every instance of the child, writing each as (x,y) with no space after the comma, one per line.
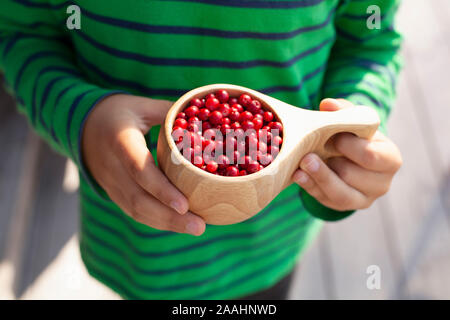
(95,92)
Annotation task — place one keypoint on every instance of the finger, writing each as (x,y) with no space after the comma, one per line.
(153,111)
(370,183)
(378,154)
(148,210)
(303,180)
(138,161)
(336,190)
(329,104)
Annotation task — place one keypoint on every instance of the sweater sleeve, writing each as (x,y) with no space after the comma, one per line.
(41,72)
(363,68)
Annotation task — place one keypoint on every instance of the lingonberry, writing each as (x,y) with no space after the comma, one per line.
(222,95)
(251,135)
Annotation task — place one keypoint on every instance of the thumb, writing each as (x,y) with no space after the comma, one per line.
(330,104)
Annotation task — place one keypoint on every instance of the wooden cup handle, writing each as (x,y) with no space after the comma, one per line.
(361,121)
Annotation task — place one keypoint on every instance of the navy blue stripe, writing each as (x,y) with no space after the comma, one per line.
(281,234)
(297,86)
(353,93)
(58,98)
(185,30)
(100,273)
(132,85)
(40,5)
(157,233)
(30,59)
(37,81)
(365,63)
(258,3)
(373,35)
(193,246)
(292,243)
(74,105)
(45,95)
(19,36)
(204,63)
(244,279)
(223,3)
(137,87)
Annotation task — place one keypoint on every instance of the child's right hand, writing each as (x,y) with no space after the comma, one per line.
(115,152)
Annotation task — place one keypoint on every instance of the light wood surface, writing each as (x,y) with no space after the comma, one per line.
(226,200)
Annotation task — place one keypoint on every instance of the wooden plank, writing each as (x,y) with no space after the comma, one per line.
(355,244)
(19,226)
(55,219)
(415,199)
(427,44)
(13,134)
(66,278)
(309,281)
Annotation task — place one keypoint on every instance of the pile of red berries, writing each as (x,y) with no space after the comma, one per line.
(228,136)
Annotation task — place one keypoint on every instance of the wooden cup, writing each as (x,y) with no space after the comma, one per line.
(224,200)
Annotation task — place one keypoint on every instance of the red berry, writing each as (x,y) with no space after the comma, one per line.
(215,117)
(222,95)
(248,125)
(254,106)
(223,161)
(225,121)
(193,119)
(242,173)
(235,125)
(192,127)
(245,116)
(197,102)
(232,101)
(262,147)
(234,115)
(203,114)
(210,95)
(258,123)
(225,109)
(232,171)
(277,141)
(237,106)
(266,159)
(225,128)
(253,167)
(212,103)
(192,111)
(245,99)
(212,166)
(181,115)
(273,150)
(182,123)
(206,125)
(198,161)
(276,126)
(236,157)
(268,116)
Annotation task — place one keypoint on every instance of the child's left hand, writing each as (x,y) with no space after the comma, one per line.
(353,181)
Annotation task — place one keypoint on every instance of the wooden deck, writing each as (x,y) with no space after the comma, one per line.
(406,233)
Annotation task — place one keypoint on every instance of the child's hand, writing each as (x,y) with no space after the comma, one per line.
(115,152)
(353,181)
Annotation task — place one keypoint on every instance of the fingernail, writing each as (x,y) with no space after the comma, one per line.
(311,164)
(177,206)
(302,178)
(191,228)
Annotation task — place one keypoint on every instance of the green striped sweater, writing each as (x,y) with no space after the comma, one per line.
(299,51)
